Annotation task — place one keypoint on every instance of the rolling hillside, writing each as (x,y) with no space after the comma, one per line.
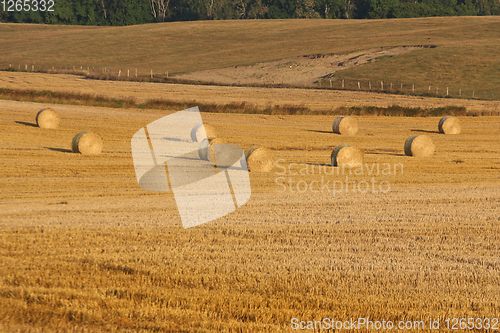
(465,56)
(83,248)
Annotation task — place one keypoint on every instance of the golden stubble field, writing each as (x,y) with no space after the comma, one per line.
(314,99)
(84,249)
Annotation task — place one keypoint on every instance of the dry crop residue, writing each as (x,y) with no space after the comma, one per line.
(84,249)
(314,99)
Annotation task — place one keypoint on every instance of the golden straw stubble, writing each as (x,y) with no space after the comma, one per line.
(259,159)
(197,134)
(48,118)
(345,125)
(419,146)
(347,155)
(449,125)
(87,143)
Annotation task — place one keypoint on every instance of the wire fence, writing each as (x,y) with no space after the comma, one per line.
(418,89)
(331,82)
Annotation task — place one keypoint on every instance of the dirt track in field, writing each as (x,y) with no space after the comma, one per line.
(297,71)
(311,98)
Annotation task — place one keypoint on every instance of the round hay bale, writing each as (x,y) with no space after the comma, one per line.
(197,134)
(419,146)
(345,125)
(48,118)
(449,125)
(259,159)
(346,155)
(205,149)
(87,143)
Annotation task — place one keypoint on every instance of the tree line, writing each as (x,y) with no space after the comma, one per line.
(129,12)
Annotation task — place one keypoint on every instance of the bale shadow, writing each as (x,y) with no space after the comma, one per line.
(61,150)
(391,152)
(424,131)
(26,124)
(316,131)
(320,164)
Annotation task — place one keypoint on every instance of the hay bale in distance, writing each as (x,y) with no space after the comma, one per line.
(48,118)
(345,125)
(197,134)
(419,146)
(87,143)
(259,159)
(346,155)
(449,125)
(205,149)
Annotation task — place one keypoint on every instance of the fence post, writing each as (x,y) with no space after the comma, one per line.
(459,92)
(330,83)
(359,86)
(370,85)
(342,83)
(151,73)
(413,88)
(136,72)
(401,85)
(119,72)
(32,68)
(446,91)
(382,85)
(128,72)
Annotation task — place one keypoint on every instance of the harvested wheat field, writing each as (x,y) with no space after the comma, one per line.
(403,239)
(314,99)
